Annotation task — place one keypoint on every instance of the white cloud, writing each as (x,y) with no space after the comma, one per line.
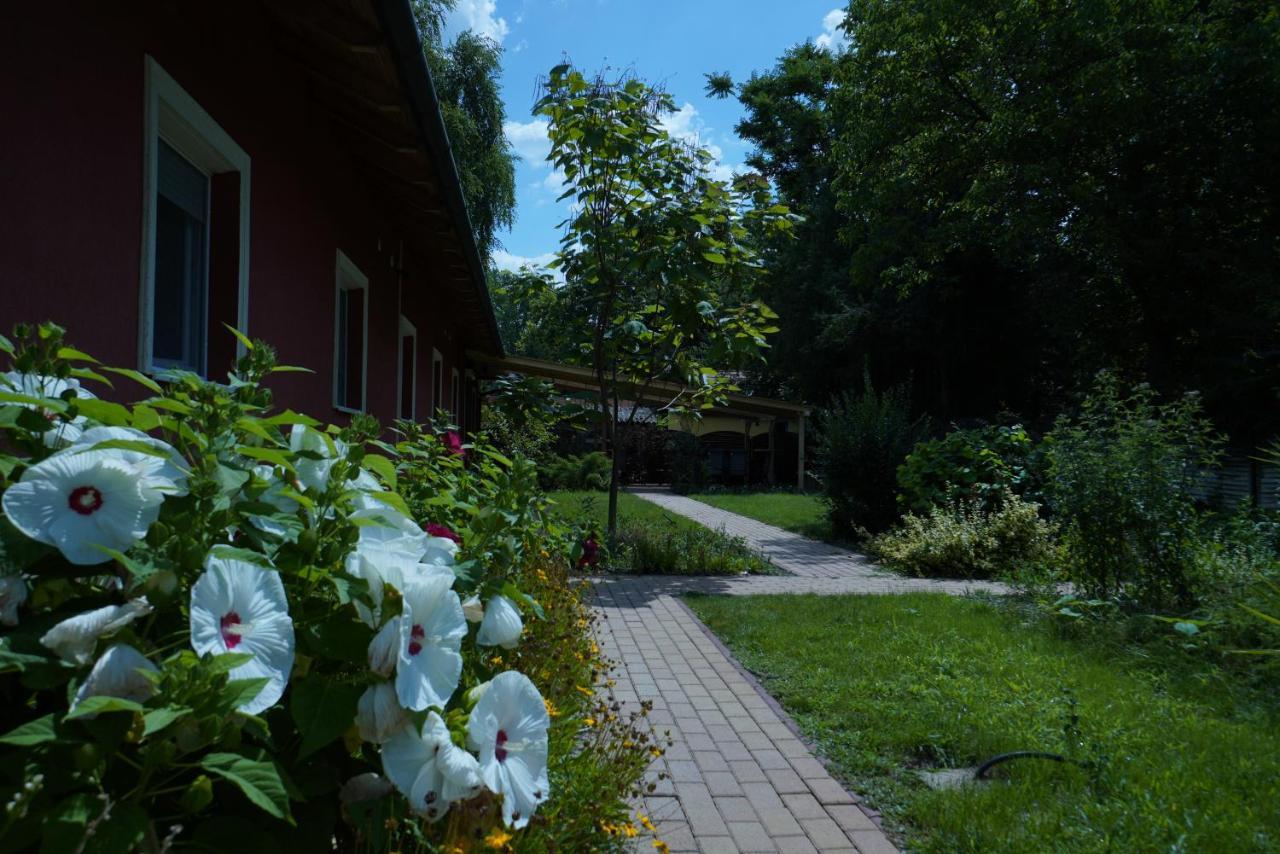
(479,16)
(529,139)
(504,260)
(832,37)
(687,125)
(554,182)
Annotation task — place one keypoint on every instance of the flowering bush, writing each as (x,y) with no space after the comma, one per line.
(218,615)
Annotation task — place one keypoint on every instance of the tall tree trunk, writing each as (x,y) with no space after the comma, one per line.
(615,474)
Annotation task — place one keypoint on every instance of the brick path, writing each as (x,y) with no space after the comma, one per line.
(740,777)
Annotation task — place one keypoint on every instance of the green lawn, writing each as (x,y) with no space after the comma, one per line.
(581,505)
(793,511)
(1185,761)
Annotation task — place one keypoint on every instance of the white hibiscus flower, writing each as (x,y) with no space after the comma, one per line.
(314,473)
(440,551)
(238,606)
(385,529)
(508,727)
(501,625)
(274,496)
(166,475)
(429,769)
(77,502)
(13,592)
(431,631)
(119,673)
(74,638)
(379,715)
(35,385)
(384,649)
(473,609)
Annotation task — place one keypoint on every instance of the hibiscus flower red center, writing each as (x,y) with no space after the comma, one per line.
(416,634)
(231,629)
(85,500)
(500,751)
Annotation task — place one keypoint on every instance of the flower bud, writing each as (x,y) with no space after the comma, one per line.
(501,625)
(13,592)
(378,714)
(384,648)
(472,609)
(364,787)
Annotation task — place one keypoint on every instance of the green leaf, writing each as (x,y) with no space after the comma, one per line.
(157,719)
(257,779)
(102,705)
(240,692)
(323,709)
(38,731)
(267,455)
(71,354)
(240,336)
(169,405)
(291,417)
(228,661)
(111,414)
(138,377)
(714,257)
(121,832)
(382,467)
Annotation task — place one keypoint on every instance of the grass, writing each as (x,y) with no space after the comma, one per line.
(582,505)
(654,541)
(797,512)
(1184,759)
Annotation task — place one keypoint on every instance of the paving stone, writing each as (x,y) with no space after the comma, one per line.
(704,819)
(851,818)
(717,845)
(795,845)
(722,783)
(684,771)
(825,833)
(779,822)
(786,781)
(747,772)
(710,760)
(872,842)
(751,836)
(736,809)
(828,791)
(804,806)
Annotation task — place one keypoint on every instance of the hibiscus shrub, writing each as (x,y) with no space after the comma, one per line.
(233,629)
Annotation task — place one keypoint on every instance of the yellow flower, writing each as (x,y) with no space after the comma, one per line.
(497,838)
(662,847)
(589,721)
(655,752)
(648,825)
(552,711)
(582,690)
(630,830)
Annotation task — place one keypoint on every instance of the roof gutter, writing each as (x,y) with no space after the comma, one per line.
(396,18)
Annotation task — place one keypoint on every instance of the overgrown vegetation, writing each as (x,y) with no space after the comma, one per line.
(1175,755)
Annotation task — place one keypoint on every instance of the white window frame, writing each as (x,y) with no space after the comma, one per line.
(437,387)
(174,116)
(455,395)
(407,330)
(347,276)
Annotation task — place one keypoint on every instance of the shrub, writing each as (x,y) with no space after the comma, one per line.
(969,541)
(649,548)
(214,626)
(861,441)
(584,471)
(1120,478)
(981,464)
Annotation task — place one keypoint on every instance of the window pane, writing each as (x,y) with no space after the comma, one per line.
(181,270)
(340,393)
(355,349)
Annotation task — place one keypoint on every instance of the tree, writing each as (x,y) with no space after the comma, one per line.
(1115,163)
(466,73)
(657,256)
(533,319)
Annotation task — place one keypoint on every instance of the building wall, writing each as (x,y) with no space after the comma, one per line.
(71,191)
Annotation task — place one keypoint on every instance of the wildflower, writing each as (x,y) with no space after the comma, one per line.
(80,502)
(429,769)
(319,452)
(662,847)
(240,607)
(378,714)
(378,568)
(648,824)
(497,839)
(431,631)
(118,673)
(387,530)
(501,625)
(508,726)
(440,551)
(586,691)
(552,711)
(630,830)
(13,592)
(591,722)
(453,443)
(274,496)
(74,638)
(35,385)
(164,472)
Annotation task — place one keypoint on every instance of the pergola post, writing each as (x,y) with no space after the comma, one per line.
(771,474)
(746,447)
(800,456)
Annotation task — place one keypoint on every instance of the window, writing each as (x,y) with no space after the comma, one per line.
(437,382)
(350,334)
(195,271)
(408,377)
(455,396)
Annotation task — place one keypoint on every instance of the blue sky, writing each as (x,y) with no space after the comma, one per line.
(672,42)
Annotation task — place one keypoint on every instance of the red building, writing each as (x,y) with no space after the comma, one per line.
(281,166)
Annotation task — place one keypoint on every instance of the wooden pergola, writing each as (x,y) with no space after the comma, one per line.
(750,408)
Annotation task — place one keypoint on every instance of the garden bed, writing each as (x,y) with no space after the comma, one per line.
(1177,754)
